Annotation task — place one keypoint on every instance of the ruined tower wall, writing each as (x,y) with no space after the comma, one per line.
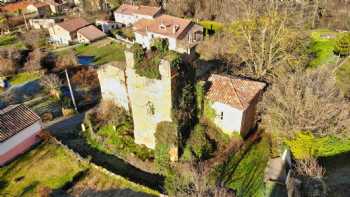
(150,100)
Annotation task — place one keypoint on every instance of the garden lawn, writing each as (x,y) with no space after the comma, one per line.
(98,181)
(24,77)
(244,172)
(45,166)
(322,48)
(343,77)
(103,53)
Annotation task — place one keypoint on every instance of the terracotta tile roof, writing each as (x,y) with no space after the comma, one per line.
(40,4)
(165,25)
(233,91)
(91,33)
(138,10)
(14,119)
(74,24)
(14,7)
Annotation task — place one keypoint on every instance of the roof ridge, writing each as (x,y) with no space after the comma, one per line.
(236,93)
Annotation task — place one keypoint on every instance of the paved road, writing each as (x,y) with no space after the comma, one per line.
(67,131)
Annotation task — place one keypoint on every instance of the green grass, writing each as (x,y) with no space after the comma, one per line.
(24,77)
(118,141)
(244,172)
(322,48)
(211,25)
(343,77)
(305,144)
(46,166)
(12,41)
(102,182)
(103,54)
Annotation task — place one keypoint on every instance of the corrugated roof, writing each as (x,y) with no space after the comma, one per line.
(165,25)
(138,9)
(233,91)
(14,119)
(74,24)
(91,33)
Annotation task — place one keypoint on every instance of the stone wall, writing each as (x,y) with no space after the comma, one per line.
(113,84)
(150,99)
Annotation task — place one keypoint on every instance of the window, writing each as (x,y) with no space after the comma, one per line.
(150,108)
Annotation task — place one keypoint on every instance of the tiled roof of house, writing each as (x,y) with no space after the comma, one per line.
(138,9)
(74,24)
(40,4)
(14,7)
(91,33)
(165,25)
(14,119)
(233,91)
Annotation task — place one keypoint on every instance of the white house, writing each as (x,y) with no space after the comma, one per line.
(128,14)
(66,32)
(182,34)
(234,101)
(41,23)
(19,129)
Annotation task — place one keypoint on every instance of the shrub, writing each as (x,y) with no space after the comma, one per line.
(342,46)
(161,45)
(200,145)
(139,53)
(162,158)
(166,133)
(166,137)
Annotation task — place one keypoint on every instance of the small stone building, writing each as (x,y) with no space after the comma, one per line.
(19,129)
(234,101)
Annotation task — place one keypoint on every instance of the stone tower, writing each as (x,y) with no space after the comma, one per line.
(150,100)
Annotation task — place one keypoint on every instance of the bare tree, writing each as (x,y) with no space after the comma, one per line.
(52,84)
(309,167)
(34,60)
(66,60)
(307,100)
(192,181)
(7,66)
(263,39)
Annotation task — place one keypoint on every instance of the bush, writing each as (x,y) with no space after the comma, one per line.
(162,159)
(200,145)
(305,144)
(342,46)
(166,137)
(161,45)
(139,53)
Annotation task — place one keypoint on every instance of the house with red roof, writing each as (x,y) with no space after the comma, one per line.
(74,30)
(19,130)
(39,8)
(150,23)
(182,34)
(234,102)
(128,14)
